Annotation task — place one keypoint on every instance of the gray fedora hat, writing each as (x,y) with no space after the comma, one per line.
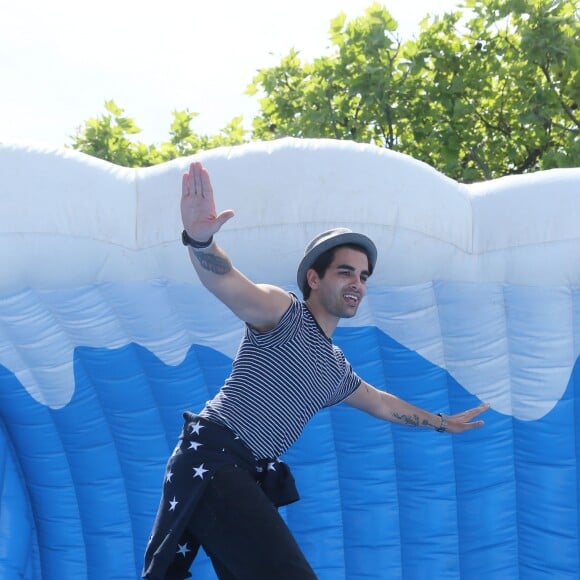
(331,239)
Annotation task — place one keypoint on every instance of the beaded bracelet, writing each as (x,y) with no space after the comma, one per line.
(443,427)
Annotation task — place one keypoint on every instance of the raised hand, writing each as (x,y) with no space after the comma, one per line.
(198,213)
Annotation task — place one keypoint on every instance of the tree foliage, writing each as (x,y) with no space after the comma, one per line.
(108,137)
(486,92)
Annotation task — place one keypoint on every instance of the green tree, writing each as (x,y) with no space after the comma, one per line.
(349,94)
(110,136)
(183,141)
(480,93)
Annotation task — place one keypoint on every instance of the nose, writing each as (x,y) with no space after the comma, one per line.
(357,283)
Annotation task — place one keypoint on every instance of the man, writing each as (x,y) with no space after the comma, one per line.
(224,481)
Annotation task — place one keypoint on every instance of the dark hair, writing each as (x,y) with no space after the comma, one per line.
(323,261)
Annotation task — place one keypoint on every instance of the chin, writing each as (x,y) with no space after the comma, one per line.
(349,314)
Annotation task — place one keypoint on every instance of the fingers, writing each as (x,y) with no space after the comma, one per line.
(475,412)
(478,410)
(185,185)
(471,413)
(461,426)
(196,181)
(463,421)
(224,216)
(204,181)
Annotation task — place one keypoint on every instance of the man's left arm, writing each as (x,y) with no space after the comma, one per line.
(389,407)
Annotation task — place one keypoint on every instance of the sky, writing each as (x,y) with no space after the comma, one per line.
(60,60)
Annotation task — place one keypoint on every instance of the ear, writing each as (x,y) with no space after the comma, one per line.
(312,279)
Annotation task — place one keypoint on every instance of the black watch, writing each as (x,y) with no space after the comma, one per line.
(189,241)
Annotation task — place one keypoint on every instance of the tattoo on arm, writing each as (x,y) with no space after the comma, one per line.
(212,263)
(411,420)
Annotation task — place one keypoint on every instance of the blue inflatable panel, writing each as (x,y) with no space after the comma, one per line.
(106,338)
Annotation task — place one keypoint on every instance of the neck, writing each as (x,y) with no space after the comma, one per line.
(326,321)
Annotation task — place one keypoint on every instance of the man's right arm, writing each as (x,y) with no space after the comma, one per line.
(260,305)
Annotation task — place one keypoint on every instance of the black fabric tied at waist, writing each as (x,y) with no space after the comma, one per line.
(204,449)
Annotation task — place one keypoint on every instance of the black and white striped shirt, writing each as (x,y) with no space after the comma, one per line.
(279,380)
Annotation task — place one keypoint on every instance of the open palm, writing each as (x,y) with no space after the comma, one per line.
(198,213)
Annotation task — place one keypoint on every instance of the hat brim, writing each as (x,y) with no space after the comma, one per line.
(337,240)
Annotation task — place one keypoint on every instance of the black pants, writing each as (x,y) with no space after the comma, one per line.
(243,533)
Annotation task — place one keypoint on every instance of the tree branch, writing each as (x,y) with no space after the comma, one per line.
(553,87)
(475,156)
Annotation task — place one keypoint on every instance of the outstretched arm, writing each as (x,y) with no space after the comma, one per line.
(385,406)
(260,305)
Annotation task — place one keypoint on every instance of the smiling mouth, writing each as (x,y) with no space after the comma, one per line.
(352,299)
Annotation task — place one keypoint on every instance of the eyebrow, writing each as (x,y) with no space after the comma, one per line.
(350,268)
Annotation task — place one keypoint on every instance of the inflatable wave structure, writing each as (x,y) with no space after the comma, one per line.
(106,337)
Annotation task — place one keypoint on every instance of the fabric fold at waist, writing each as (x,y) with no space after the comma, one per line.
(219,446)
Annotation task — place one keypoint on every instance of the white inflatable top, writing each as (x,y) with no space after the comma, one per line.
(57,203)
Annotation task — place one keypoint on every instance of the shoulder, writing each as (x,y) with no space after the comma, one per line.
(274,303)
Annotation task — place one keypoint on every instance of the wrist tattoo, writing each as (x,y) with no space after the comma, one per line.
(212,263)
(411,420)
